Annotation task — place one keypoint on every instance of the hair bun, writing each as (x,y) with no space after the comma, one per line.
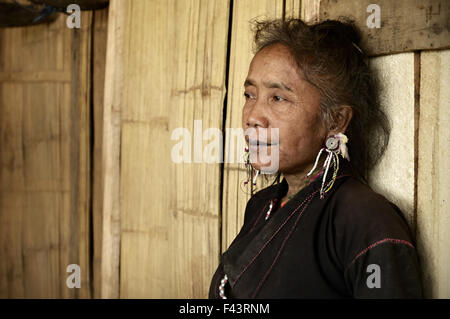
(337,31)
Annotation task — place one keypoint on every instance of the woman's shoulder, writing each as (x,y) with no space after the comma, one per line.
(355,201)
(363,218)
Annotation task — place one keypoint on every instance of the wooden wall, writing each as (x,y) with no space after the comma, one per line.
(46,87)
(415,97)
(86,118)
(171,71)
(45,188)
(432,176)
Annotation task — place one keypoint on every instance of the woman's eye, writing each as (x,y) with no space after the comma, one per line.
(247,95)
(278,98)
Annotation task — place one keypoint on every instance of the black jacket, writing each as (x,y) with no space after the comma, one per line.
(353,243)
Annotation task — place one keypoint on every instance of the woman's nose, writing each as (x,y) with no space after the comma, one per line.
(256,117)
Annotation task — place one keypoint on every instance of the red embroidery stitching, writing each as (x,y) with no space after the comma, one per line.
(280,249)
(270,239)
(392,240)
(259,216)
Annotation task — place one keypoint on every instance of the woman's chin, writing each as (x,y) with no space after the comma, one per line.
(266,161)
(265,168)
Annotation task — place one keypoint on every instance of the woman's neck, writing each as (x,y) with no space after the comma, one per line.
(299,180)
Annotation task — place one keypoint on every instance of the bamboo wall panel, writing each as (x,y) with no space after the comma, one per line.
(173,73)
(234,196)
(45,159)
(433,193)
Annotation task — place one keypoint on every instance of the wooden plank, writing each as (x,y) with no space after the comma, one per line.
(100,24)
(174,62)
(406,25)
(110,154)
(80,105)
(310,10)
(433,219)
(394,175)
(234,198)
(44,175)
(292,9)
(35,76)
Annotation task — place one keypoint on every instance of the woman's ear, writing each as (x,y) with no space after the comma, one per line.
(341,119)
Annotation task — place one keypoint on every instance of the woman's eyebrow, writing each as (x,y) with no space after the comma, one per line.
(277,85)
(270,85)
(249,82)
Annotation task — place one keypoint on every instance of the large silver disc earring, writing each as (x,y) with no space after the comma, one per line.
(334,146)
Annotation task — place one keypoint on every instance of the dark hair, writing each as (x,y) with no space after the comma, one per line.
(329,55)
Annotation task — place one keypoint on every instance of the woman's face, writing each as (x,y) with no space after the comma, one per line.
(277,97)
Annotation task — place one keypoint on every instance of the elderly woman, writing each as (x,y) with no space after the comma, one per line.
(321,232)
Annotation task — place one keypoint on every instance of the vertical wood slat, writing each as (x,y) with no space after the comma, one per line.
(310,10)
(172,71)
(100,24)
(81,157)
(293,8)
(110,151)
(234,198)
(433,189)
(44,176)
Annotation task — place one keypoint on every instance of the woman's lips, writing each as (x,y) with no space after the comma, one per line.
(254,143)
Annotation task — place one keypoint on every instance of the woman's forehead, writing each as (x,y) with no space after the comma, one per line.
(272,64)
(274,54)
(275,64)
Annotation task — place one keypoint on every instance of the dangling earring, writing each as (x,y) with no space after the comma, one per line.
(249,169)
(335,145)
(254,178)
